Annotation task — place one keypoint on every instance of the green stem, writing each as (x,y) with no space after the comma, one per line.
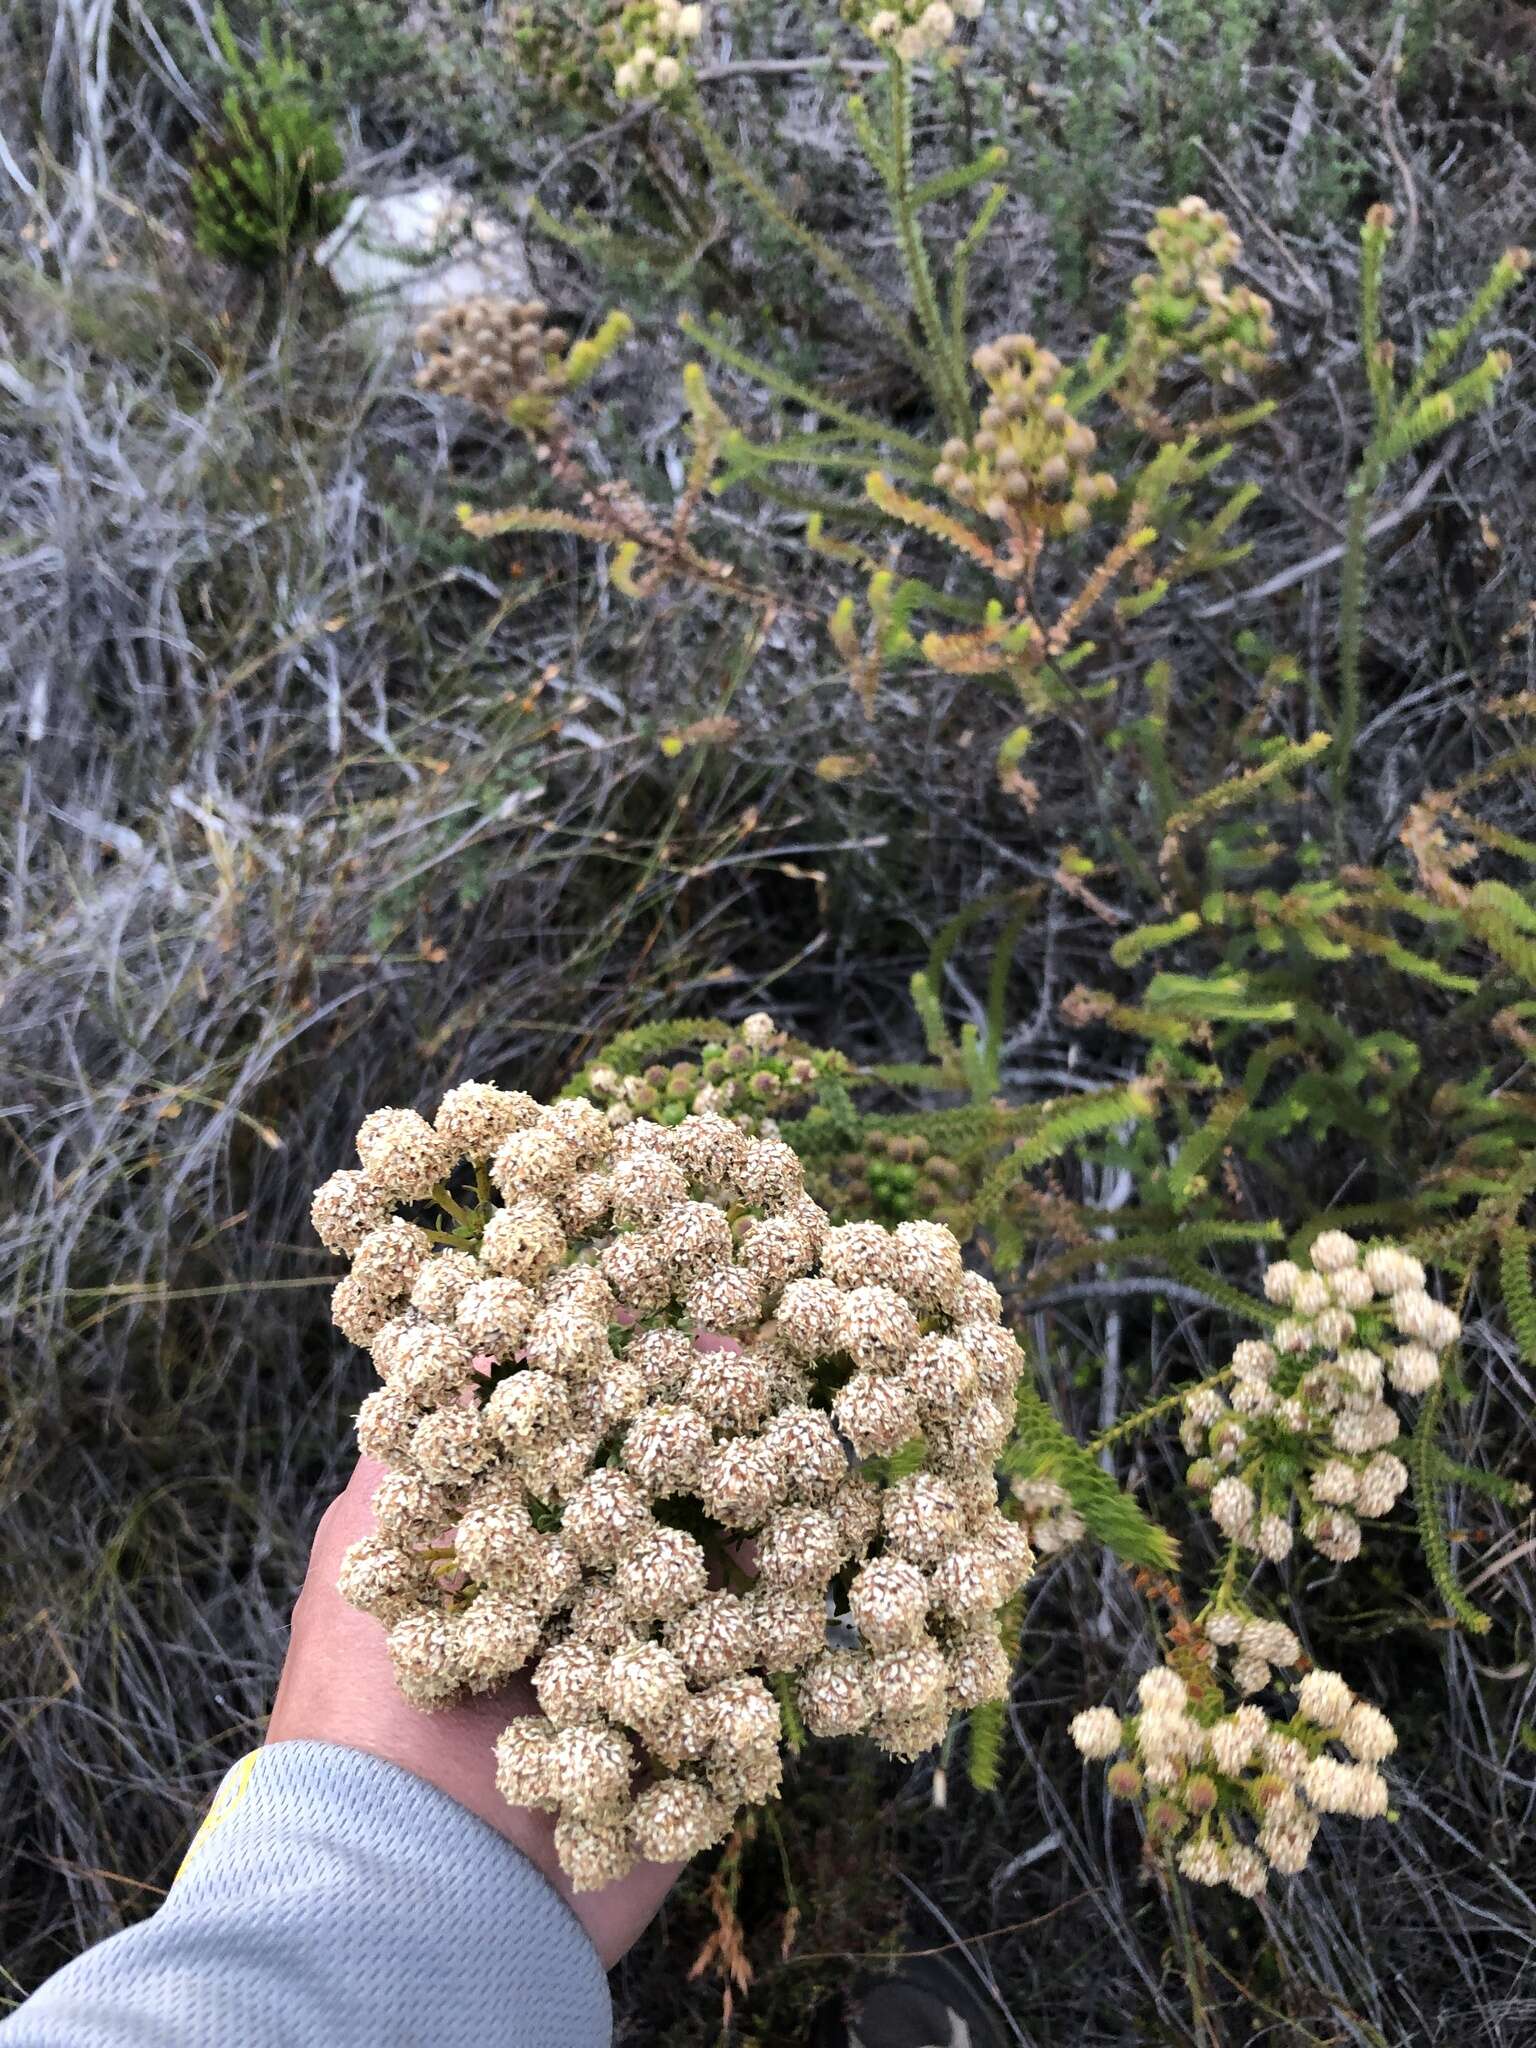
(724,159)
(1145,1417)
(450,1207)
(945,378)
(1351,614)
(879,432)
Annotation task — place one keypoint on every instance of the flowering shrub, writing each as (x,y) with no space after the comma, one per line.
(574,1475)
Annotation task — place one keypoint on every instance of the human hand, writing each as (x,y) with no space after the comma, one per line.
(338,1686)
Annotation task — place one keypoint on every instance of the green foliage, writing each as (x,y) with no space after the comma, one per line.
(984,1732)
(267,182)
(1042,1449)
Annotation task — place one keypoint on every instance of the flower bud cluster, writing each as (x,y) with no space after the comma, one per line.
(898,1174)
(493,353)
(1237,1795)
(1029,465)
(1186,307)
(752,1072)
(646,1348)
(914,29)
(650,45)
(1309,1423)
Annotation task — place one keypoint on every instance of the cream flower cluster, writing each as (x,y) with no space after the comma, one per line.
(650,45)
(915,29)
(627,1354)
(1186,307)
(1240,1793)
(1309,1422)
(1030,461)
(1052,1521)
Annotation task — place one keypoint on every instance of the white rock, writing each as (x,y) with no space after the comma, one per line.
(403,254)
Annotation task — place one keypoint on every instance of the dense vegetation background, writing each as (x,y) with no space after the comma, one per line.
(314,802)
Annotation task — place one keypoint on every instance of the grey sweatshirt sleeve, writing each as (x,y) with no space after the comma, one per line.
(331,1900)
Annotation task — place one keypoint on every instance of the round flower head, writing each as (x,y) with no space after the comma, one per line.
(804,1447)
(645,1186)
(384,1425)
(430,1364)
(593,1853)
(529,1410)
(563,1338)
(537,1162)
(477,1115)
(730,1389)
(713,1639)
(667,1448)
(606,1516)
(1415,1368)
(637,1271)
(589,1770)
(888,1599)
(770,1174)
(860,1255)
(877,1414)
(523,1241)
(570,1681)
(1096,1732)
(980,1669)
(788,1628)
(799,1547)
(693,1238)
(359,1311)
(1324,1698)
(441,1284)
(907,1681)
(497,1636)
(776,1250)
(676,1819)
(523,1751)
(709,1149)
(496,1542)
(807,1317)
(409,1508)
(740,1482)
(664,1358)
(402,1155)
(921,1517)
(833,1693)
(451,1445)
(492,1316)
(380,1578)
(876,1328)
(599,1617)
(661,1575)
(346,1209)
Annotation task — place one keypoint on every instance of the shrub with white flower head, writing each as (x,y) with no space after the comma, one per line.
(649,44)
(1237,1794)
(1308,1425)
(584,1478)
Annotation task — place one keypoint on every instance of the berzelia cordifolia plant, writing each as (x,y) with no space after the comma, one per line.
(1283,1005)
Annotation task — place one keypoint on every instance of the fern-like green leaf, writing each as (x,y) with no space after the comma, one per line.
(985,1728)
(1519,1294)
(1433,1536)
